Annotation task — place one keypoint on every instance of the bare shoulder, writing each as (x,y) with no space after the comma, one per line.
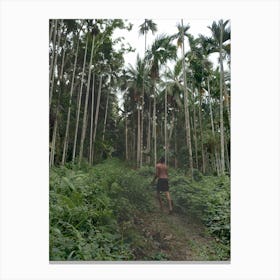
(158,167)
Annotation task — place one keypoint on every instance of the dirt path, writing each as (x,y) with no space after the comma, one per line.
(173,237)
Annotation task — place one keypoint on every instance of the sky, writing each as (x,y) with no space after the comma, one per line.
(164,26)
(168,26)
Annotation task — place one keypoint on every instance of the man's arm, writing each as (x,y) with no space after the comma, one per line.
(157,172)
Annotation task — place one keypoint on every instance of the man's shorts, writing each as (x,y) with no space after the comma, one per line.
(162,185)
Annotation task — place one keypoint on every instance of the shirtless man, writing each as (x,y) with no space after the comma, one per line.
(162,183)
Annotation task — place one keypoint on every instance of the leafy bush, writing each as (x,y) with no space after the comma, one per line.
(88,210)
(82,223)
(208,199)
(146,171)
(135,189)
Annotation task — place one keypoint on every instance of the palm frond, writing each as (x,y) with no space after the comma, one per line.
(147,26)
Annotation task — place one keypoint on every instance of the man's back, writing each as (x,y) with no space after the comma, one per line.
(161,170)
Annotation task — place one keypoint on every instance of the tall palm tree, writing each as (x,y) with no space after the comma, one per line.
(51,27)
(212,125)
(180,36)
(94,30)
(207,66)
(54,61)
(123,86)
(135,83)
(145,27)
(160,52)
(54,135)
(96,114)
(79,102)
(172,83)
(220,35)
(197,65)
(65,145)
(91,120)
(53,42)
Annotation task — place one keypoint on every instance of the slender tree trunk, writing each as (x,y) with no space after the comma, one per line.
(51,163)
(221,105)
(161,131)
(141,131)
(192,136)
(91,120)
(65,146)
(55,62)
(51,29)
(53,53)
(227,157)
(86,106)
(201,134)
(219,163)
(186,107)
(133,146)
(57,113)
(126,140)
(195,136)
(138,137)
(105,118)
(171,127)
(175,149)
(129,140)
(227,104)
(165,126)
(154,127)
(79,105)
(96,114)
(142,112)
(206,157)
(149,133)
(169,137)
(212,127)
(141,126)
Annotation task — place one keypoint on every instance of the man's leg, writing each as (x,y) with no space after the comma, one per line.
(159,199)
(169,200)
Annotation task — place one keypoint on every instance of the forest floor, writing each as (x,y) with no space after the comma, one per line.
(173,237)
(109,212)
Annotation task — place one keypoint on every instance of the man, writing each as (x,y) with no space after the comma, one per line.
(162,183)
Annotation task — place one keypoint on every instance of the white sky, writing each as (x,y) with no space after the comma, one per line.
(167,26)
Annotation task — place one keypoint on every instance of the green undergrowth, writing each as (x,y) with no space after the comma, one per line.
(95,211)
(90,209)
(206,198)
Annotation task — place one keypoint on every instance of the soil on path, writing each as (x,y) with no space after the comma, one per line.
(173,237)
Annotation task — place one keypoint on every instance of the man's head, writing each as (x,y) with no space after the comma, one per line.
(162,160)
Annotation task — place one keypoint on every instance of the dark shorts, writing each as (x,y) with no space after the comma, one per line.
(162,185)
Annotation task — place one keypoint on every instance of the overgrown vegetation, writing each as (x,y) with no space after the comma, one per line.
(173,101)
(206,197)
(89,209)
(94,211)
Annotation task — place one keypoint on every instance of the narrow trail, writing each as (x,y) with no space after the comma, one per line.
(173,237)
